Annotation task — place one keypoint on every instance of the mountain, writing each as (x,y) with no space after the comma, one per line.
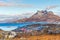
(21,20)
(42,16)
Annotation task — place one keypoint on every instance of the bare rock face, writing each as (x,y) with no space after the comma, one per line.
(42,16)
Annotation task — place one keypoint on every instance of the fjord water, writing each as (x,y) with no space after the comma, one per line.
(12,26)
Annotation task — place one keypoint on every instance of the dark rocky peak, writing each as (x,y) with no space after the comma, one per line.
(43,12)
(38,12)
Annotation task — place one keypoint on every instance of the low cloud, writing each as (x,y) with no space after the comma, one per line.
(52,6)
(3,4)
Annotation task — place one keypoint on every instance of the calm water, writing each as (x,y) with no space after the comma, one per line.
(12,26)
(21,24)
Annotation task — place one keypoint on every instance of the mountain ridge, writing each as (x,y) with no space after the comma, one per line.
(42,16)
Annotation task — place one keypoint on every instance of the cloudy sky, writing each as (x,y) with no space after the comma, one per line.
(13,7)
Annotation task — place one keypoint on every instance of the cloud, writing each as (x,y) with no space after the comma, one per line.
(4,4)
(52,6)
(10,0)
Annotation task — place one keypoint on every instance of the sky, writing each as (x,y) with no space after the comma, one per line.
(18,7)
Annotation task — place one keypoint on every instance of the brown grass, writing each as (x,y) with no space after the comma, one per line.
(41,37)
